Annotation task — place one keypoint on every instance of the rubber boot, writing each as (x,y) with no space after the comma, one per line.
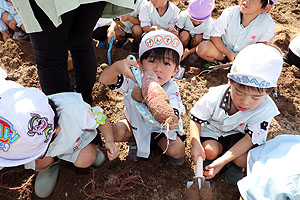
(46,180)
(100,158)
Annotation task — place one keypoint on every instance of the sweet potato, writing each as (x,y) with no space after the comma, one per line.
(157,100)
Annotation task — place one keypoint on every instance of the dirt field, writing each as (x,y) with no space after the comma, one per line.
(156,177)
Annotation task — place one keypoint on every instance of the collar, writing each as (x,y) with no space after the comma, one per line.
(226,101)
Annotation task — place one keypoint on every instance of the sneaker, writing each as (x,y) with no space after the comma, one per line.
(100,158)
(179,74)
(233,173)
(192,58)
(207,65)
(46,180)
(20,35)
(135,46)
(132,150)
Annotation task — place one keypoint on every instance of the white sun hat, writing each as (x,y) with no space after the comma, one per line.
(257,65)
(160,38)
(26,124)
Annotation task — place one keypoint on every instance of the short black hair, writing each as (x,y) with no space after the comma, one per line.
(56,116)
(160,54)
(266,2)
(259,90)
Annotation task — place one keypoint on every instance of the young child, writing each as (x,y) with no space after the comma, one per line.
(273,170)
(230,119)
(158,14)
(127,25)
(160,51)
(10,19)
(237,27)
(292,57)
(38,131)
(195,23)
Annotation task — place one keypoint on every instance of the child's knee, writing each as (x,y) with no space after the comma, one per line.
(86,157)
(176,149)
(137,31)
(121,132)
(43,163)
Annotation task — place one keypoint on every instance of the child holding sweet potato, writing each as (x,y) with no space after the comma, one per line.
(160,51)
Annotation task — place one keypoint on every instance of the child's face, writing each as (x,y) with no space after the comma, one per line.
(164,69)
(159,3)
(195,22)
(244,99)
(251,7)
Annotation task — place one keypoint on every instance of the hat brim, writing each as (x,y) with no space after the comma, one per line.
(16,162)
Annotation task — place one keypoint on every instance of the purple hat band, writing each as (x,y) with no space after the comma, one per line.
(200,10)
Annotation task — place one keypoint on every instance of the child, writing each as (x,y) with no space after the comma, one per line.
(127,24)
(237,27)
(292,57)
(11,19)
(159,51)
(38,131)
(158,14)
(195,24)
(273,170)
(232,118)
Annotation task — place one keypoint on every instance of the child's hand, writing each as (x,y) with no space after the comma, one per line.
(125,18)
(231,56)
(196,151)
(185,54)
(112,150)
(173,30)
(212,169)
(123,67)
(111,34)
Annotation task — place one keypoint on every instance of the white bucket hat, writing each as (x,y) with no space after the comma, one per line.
(257,65)
(158,39)
(26,124)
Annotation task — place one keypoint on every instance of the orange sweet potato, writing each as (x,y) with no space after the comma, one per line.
(157,100)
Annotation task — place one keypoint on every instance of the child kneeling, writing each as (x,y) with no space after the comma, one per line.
(232,118)
(38,131)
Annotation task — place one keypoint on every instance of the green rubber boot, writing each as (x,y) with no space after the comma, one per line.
(46,180)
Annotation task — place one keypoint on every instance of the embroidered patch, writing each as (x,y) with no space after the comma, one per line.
(8,134)
(39,125)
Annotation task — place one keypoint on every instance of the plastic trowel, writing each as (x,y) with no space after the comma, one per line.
(198,188)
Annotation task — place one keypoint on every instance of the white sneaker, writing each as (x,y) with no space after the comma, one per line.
(20,35)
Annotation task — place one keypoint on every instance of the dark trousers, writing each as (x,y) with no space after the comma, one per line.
(52,44)
(292,59)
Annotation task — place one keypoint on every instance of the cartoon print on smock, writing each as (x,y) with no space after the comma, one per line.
(39,125)
(258,131)
(8,135)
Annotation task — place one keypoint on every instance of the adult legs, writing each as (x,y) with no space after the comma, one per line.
(81,46)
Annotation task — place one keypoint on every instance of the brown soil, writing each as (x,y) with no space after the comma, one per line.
(154,178)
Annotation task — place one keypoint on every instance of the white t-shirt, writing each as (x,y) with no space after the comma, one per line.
(273,170)
(294,46)
(141,127)
(236,37)
(137,7)
(78,127)
(150,17)
(212,112)
(184,22)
